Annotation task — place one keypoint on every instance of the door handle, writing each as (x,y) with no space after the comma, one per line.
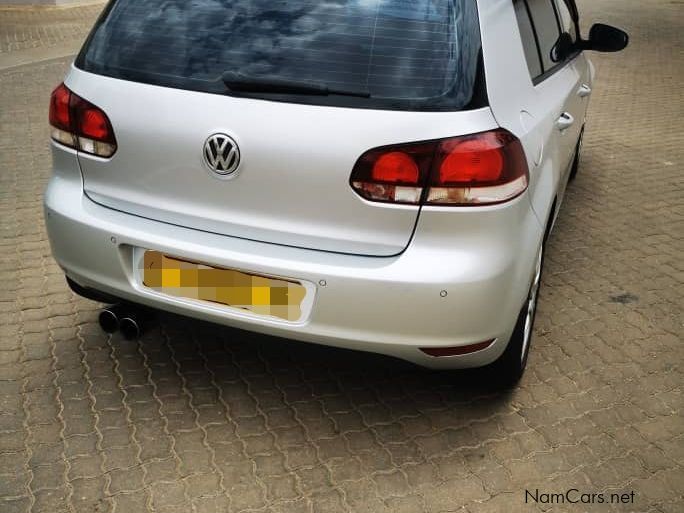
(584,91)
(565,121)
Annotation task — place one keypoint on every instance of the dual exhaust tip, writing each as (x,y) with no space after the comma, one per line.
(130,321)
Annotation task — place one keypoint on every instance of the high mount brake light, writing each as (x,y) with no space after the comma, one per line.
(79,124)
(479,169)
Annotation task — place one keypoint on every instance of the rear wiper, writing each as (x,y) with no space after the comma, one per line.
(242,83)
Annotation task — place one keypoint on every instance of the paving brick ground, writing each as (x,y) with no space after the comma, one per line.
(196,418)
(22,28)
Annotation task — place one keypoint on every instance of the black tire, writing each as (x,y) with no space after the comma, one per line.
(507,370)
(578,154)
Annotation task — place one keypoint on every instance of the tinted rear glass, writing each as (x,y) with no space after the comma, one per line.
(408,54)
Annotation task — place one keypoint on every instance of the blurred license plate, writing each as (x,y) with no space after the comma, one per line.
(261,295)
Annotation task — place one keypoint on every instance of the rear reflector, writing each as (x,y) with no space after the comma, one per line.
(439,352)
(79,124)
(479,169)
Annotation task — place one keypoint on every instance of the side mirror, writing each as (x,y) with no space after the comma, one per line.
(604,38)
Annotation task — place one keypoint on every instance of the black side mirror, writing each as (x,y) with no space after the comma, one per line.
(604,38)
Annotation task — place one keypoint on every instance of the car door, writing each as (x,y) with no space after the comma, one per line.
(557,87)
(578,64)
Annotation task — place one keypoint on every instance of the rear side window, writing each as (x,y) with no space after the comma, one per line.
(546,25)
(408,54)
(541,23)
(529,38)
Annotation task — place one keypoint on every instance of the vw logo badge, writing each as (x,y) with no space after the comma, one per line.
(221,154)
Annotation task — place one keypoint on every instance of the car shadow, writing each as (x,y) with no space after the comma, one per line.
(228,353)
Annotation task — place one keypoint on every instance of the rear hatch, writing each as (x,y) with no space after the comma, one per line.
(156,69)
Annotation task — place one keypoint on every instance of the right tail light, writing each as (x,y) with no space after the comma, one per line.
(479,169)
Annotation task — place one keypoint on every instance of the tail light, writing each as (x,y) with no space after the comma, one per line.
(394,174)
(79,124)
(479,169)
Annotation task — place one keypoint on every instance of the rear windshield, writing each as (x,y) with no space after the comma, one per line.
(407,54)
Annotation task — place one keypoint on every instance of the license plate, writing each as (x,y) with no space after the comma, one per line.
(262,295)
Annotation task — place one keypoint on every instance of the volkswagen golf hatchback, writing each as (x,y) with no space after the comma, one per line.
(379,175)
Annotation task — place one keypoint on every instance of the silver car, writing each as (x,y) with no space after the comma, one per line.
(378,175)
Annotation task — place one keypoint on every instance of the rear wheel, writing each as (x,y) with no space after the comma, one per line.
(510,366)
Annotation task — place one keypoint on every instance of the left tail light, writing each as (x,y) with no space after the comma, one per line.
(479,169)
(79,124)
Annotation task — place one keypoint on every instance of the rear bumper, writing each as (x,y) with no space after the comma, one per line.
(387,305)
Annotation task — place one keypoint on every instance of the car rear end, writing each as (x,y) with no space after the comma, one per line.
(392,217)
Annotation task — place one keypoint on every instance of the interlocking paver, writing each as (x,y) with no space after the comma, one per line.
(200,418)
(26,29)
